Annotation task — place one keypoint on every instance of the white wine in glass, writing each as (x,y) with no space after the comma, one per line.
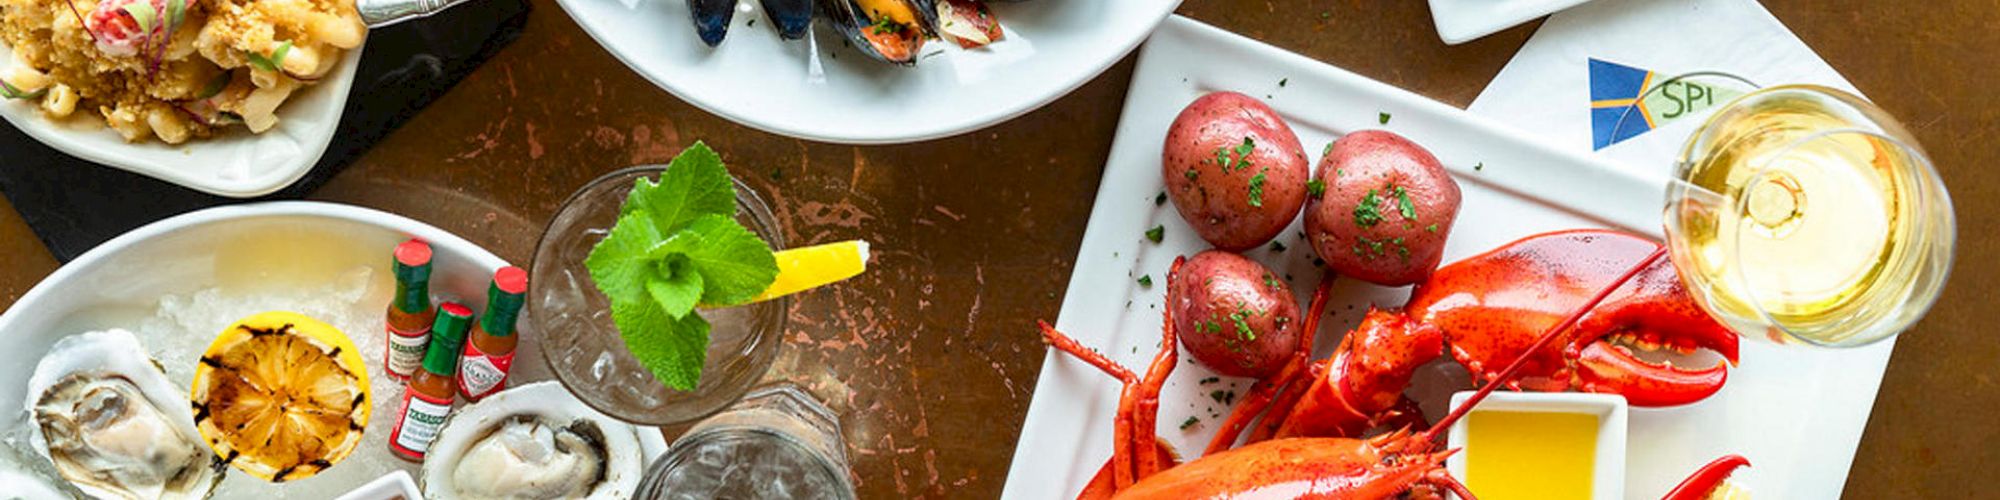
(1806,214)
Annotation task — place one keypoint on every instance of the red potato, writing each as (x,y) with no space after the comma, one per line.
(1235,171)
(1234,314)
(1385,210)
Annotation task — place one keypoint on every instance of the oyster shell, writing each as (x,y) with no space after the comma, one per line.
(533,441)
(106,418)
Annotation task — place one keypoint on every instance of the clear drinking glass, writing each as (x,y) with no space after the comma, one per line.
(583,347)
(778,443)
(1804,214)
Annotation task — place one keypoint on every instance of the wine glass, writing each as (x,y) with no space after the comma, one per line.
(1805,214)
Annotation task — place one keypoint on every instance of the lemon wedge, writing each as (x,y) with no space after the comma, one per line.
(801,269)
(281,396)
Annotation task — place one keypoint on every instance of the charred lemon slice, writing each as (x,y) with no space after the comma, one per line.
(281,396)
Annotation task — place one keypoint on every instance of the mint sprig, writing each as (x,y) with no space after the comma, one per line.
(677,245)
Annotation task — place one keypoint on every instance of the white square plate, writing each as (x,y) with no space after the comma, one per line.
(236,163)
(1460,21)
(1796,413)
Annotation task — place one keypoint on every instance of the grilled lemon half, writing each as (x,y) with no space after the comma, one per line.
(281,396)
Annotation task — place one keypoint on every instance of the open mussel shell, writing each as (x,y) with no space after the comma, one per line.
(891,31)
(792,18)
(533,441)
(711,19)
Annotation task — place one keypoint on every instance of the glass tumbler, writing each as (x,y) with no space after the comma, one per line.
(583,347)
(779,443)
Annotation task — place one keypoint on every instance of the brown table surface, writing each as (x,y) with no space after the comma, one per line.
(933,355)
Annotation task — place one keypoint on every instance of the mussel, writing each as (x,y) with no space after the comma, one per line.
(891,31)
(711,19)
(792,18)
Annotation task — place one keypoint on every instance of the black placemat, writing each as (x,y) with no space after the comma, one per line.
(73,204)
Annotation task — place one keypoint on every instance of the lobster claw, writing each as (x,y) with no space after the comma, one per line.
(1655,311)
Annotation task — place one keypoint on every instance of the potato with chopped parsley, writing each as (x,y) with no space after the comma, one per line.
(1235,171)
(1379,207)
(1234,315)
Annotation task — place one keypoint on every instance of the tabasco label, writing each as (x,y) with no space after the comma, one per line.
(480,374)
(417,425)
(406,351)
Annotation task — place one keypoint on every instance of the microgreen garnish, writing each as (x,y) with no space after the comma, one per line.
(79,20)
(275,62)
(677,244)
(1257,190)
(1384,118)
(1315,187)
(144,15)
(215,86)
(1146,280)
(1157,233)
(9,91)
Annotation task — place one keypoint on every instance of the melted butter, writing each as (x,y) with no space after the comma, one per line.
(1530,455)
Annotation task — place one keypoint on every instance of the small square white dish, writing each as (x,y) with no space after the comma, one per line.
(236,163)
(1607,480)
(1460,21)
(392,486)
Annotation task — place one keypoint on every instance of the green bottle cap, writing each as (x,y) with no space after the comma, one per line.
(503,301)
(447,337)
(413,276)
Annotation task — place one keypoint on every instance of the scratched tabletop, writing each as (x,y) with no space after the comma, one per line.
(932,355)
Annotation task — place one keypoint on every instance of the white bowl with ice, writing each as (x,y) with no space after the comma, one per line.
(180,281)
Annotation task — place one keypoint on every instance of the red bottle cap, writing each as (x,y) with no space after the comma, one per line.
(413,253)
(512,280)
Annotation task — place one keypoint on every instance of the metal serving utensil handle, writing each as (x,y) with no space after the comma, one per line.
(380,13)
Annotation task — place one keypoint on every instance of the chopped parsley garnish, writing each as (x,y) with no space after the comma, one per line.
(887,24)
(1235,159)
(1315,188)
(1366,214)
(1384,118)
(1157,233)
(1257,190)
(1210,380)
(1191,174)
(1222,396)
(1190,422)
(1271,281)
(1327,150)
(1480,166)
(1283,81)
(677,244)
(1403,203)
(1431,228)
(1161,199)
(1241,319)
(1276,246)
(1146,280)
(1243,151)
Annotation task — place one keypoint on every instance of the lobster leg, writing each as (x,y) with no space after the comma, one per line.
(1145,421)
(1121,425)
(1287,380)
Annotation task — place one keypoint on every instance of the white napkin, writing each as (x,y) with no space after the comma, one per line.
(1796,413)
(1547,87)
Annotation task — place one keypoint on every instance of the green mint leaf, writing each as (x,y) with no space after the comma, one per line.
(673,349)
(621,264)
(679,287)
(694,184)
(734,264)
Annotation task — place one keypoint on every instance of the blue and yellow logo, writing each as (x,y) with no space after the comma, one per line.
(1627,101)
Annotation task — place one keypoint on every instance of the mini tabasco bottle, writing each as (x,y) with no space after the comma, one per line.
(410,312)
(489,349)
(428,396)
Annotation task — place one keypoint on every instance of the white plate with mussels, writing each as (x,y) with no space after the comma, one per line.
(177,283)
(828,86)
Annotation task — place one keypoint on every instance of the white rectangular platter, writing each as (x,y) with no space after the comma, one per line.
(1796,413)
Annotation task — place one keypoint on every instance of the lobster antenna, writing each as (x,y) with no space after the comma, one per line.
(1513,369)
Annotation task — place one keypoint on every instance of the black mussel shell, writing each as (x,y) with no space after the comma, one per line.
(711,19)
(790,17)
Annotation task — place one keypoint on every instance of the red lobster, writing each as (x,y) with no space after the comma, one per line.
(1580,287)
